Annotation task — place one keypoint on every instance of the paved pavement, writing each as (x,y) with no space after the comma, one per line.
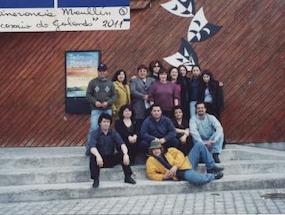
(226,202)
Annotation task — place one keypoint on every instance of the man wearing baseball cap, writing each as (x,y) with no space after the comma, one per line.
(173,165)
(101,95)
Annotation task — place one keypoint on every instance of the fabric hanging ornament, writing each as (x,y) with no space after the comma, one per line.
(184,8)
(200,29)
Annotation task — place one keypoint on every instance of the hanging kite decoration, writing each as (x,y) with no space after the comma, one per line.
(199,30)
(186,56)
(184,8)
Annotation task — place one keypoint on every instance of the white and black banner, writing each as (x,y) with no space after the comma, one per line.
(64,15)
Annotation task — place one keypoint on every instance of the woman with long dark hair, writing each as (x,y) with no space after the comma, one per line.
(174,77)
(181,125)
(122,91)
(128,130)
(184,84)
(193,89)
(154,68)
(211,93)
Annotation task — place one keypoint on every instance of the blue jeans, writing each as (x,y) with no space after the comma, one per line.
(94,120)
(192,108)
(199,151)
(214,148)
(218,146)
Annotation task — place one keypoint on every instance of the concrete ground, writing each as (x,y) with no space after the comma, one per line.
(225,202)
(53,182)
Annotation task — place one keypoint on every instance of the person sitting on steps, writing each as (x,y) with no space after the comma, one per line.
(102,146)
(207,130)
(171,164)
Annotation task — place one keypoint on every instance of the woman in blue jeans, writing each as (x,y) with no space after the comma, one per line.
(173,165)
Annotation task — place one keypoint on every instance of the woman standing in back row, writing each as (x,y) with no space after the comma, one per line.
(164,93)
(184,84)
(211,93)
(154,68)
(140,93)
(193,89)
(122,90)
(174,77)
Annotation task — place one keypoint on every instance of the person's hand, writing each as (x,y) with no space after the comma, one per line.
(132,139)
(212,142)
(126,159)
(183,139)
(98,104)
(104,104)
(221,84)
(187,132)
(162,140)
(135,137)
(209,142)
(172,171)
(145,97)
(167,176)
(99,161)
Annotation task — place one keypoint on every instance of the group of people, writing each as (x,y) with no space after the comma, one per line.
(170,117)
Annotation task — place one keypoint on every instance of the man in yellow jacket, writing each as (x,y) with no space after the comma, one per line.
(173,165)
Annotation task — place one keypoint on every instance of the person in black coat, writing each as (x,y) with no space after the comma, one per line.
(181,125)
(102,150)
(128,130)
(184,83)
(154,67)
(211,93)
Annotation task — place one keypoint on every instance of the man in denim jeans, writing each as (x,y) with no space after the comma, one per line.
(101,95)
(206,129)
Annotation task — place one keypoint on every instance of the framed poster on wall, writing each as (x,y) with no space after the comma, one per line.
(80,68)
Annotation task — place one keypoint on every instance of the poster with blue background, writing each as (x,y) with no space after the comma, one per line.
(81,67)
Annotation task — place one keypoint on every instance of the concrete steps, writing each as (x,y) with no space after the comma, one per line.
(37,174)
(73,174)
(73,156)
(42,157)
(143,187)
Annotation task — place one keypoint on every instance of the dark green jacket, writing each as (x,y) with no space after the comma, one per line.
(102,90)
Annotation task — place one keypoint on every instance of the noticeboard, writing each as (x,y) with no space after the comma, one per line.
(80,68)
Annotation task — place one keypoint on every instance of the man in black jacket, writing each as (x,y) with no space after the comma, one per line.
(102,145)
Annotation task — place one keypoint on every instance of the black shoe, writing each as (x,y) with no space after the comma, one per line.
(129,180)
(216,158)
(87,153)
(215,169)
(95,183)
(218,175)
(224,144)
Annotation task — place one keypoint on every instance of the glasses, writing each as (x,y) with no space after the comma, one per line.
(156,66)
